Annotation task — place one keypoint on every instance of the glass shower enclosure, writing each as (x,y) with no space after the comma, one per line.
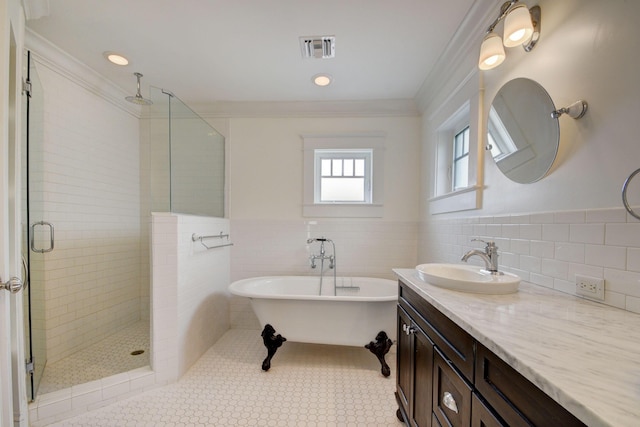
(187,159)
(87,300)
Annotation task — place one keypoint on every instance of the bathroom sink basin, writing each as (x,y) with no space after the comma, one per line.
(467,278)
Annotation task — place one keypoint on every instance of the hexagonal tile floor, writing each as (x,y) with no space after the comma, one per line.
(307,385)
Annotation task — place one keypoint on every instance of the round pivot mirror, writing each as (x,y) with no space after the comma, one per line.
(522,136)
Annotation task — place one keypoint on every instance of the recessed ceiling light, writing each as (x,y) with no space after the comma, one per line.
(322,79)
(116,58)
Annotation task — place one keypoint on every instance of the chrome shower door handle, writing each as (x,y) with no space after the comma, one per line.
(33,239)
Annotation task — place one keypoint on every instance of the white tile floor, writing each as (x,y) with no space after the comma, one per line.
(103,359)
(307,385)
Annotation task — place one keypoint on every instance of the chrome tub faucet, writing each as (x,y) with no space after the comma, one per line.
(322,256)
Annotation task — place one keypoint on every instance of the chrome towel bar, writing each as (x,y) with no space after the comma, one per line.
(196,238)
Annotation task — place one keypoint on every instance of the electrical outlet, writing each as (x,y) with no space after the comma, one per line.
(590,287)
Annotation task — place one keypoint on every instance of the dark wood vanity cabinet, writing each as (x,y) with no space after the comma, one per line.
(414,379)
(445,378)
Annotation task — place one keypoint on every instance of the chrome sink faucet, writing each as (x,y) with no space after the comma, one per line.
(489,256)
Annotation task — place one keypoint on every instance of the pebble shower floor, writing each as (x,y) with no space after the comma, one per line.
(307,385)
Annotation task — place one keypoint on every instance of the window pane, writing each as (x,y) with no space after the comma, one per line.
(326,167)
(461,173)
(348,167)
(342,190)
(359,167)
(337,167)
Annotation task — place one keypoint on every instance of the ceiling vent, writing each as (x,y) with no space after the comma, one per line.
(320,47)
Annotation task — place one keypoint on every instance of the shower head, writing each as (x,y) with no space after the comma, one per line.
(138,99)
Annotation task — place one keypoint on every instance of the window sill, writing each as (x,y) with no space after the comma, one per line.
(342,210)
(460,200)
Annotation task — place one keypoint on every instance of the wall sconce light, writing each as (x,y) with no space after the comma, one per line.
(575,110)
(521,27)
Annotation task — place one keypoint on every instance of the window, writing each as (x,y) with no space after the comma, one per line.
(461,159)
(456,180)
(342,176)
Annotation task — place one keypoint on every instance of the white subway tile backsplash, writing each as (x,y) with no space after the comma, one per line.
(555,232)
(627,234)
(587,233)
(542,249)
(564,286)
(606,256)
(624,282)
(541,218)
(542,280)
(572,252)
(531,231)
(606,215)
(569,217)
(531,264)
(632,304)
(633,259)
(549,249)
(555,268)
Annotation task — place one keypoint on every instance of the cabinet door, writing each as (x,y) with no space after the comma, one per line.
(422,380)
(414,371)
(451,394)
(481,416)
(404,368)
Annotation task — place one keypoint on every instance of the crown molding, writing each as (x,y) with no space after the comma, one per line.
(35,9)
(458,61)
(364,108)
(62,63)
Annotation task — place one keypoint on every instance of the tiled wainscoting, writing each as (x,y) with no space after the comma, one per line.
(368,248)
(549,249)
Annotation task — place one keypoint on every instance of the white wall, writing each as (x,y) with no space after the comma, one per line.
(266,196)
(571,221)
(189,293)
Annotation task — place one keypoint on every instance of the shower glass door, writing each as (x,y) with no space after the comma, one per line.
(87,313)
(32,211)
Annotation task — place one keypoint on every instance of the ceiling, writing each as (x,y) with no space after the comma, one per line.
(248,50)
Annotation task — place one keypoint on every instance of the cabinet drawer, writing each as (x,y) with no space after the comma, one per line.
(517,400)
(481,416)
(451,394)
(454,342)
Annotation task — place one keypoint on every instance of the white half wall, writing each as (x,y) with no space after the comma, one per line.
(189,297)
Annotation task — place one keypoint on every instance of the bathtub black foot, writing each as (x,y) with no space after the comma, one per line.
(380,348)
(272,342)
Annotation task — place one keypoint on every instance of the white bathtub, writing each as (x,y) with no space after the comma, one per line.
(291,304)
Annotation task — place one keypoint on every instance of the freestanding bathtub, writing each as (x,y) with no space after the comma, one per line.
(293,306)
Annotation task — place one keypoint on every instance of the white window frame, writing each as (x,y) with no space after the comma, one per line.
(458,161)
(343,154)
(340,144)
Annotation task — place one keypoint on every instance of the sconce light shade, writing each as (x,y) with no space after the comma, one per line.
(518,27)
(491,52)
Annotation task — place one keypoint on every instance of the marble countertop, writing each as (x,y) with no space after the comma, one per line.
(583,354)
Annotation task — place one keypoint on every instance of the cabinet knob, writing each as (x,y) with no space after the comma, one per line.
(408,330)
(449,401)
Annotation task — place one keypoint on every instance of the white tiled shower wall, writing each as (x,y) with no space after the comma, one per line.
(364,247)
(549,249)
(90,192)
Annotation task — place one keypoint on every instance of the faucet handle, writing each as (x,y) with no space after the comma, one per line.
(491,245)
